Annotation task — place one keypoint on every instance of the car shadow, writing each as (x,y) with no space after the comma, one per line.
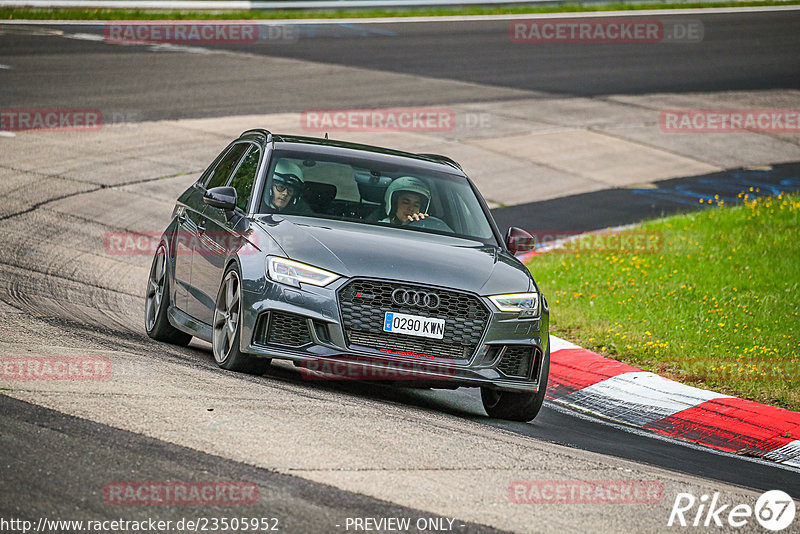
(462,402)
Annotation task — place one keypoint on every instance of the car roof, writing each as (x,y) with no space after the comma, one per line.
(323,146)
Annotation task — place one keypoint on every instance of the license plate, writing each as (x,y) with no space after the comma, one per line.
(413,325)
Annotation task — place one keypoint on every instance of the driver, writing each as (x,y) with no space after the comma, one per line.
(287,188)
(407,199)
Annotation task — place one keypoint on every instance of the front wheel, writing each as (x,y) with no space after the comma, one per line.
(517,406)
(226,328)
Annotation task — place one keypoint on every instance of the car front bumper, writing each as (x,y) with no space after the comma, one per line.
(311,333)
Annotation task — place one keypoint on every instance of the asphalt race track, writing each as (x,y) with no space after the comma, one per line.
(320,453)
(745,51)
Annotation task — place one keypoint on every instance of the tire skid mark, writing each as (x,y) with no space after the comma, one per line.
(74,280)
(50,294)
(99,187)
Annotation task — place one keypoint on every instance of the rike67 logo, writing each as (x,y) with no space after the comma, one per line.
(774,510)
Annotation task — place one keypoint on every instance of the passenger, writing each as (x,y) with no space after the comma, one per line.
(287,189)
(407,199)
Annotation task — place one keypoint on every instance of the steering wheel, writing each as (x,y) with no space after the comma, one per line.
(430,223)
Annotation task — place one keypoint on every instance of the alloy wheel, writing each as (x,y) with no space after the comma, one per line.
(226,317)
(155,287)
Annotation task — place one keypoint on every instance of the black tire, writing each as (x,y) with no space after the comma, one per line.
(156,321)
(226,328)
(517,406)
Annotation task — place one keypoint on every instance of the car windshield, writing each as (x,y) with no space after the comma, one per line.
(374,192)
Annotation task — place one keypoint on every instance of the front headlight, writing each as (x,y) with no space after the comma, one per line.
(525,303)
(292,273)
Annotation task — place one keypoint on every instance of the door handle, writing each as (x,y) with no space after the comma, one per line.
(182,217)
(201,228)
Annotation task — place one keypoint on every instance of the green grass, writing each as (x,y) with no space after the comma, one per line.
(136,14)
(710,298)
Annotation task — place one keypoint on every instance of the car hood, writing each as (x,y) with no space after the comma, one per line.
(359,250)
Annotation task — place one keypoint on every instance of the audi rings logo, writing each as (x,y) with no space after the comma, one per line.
(420,299)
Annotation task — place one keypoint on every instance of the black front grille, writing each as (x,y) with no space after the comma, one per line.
(282,328)
(363,304)
(517,361)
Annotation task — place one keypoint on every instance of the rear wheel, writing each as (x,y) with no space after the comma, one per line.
(515,406)
(156,322)
(226,328)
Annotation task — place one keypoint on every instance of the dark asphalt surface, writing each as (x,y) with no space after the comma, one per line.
(746,51)
(584,433)
(561,426)
(620,206)
(41,446)
(739,52)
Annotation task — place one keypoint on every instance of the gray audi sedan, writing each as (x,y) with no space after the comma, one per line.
(353,262)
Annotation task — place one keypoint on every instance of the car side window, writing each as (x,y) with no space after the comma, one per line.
(224,168)
(245,176)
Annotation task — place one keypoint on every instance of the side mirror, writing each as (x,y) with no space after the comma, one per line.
(223,198)
(518,240)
